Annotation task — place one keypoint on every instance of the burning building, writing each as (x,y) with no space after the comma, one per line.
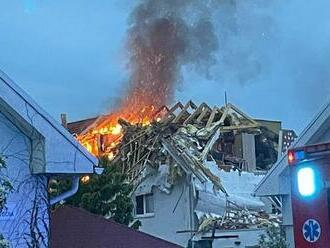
(193,168)
(161,39)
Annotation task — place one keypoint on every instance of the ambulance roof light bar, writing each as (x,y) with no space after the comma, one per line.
(299,154)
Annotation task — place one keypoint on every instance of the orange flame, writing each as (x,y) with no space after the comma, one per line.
(103,139)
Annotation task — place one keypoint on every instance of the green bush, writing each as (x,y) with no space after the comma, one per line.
(274,238)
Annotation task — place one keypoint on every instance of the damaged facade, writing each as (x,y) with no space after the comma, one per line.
(194,169)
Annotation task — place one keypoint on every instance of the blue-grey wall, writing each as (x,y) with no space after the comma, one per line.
(25,220)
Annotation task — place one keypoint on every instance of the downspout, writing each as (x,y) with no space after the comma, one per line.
(74,188)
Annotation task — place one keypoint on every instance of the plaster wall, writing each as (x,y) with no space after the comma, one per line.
(26,218)
(171,214)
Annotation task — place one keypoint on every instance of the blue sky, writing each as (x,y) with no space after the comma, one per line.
(273,58)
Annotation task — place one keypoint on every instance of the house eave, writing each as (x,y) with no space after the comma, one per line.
(60,144)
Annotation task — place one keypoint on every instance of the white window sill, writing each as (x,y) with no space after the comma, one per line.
(148,215)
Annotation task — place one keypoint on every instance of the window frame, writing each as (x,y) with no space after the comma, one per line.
(145,214)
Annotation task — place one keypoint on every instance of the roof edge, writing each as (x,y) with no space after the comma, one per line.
(81,210)
(49,119)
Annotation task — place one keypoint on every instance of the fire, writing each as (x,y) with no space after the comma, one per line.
(115,130)
(154,66)
(159,43)
(85,179)
(111,156)
(104,138)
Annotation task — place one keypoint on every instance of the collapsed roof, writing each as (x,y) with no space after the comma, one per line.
(185,135)
(186,140)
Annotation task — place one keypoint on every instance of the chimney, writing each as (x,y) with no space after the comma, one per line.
(64,121)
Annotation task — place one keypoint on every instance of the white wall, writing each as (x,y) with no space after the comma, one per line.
(165,223)
(28,202)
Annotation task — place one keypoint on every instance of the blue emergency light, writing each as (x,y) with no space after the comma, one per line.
(297,155)
(309,179)
(306,181)
(294,156)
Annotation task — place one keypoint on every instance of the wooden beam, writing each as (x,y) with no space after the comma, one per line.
(170,116)
(197,113)
(211,118)
(243,114)
(184,110)
(241,127)
(203,114)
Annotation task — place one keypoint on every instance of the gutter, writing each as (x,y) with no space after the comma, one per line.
(74,188)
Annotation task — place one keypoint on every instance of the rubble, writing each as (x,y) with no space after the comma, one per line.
(183,137)
(241,219)
(191,140)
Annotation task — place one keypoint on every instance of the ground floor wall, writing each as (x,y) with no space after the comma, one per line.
(171,219)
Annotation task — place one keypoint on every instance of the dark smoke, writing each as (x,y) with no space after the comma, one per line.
(165,35)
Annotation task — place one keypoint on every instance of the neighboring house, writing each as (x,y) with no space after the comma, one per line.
(74,227)
(277,181)
(35,147)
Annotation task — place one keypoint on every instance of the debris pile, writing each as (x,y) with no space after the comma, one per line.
(240,219)
(183,137)
(183,141)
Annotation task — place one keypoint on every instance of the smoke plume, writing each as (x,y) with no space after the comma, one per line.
(163,36)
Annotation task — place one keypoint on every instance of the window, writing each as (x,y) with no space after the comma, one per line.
(139,205)
(149,203)
(144,205)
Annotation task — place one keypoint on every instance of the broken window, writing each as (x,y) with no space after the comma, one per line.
(144,204)
(266,148)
